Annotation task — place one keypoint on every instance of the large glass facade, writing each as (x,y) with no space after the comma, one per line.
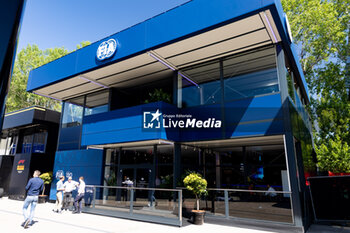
(234,77)
(237,167)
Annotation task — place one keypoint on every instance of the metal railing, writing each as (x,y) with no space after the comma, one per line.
(168,206)
(271,206)
(146,204)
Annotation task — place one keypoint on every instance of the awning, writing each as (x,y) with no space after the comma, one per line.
(235,37)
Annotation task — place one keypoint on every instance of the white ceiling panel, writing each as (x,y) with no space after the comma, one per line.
(228,31)
(233,44)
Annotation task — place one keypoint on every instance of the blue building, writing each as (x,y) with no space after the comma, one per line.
(210,86)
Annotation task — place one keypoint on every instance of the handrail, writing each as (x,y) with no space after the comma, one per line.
(139,216)
(137,188)
(243,190)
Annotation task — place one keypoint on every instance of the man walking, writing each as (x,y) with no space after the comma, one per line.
(59,195)
(80,196)
(69,186)
(34,187)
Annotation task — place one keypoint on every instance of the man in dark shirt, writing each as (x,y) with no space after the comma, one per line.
(34,187)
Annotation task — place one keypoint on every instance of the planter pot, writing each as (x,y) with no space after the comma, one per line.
(42,198)
(198,216)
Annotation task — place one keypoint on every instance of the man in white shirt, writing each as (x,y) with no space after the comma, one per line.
(69,186)
(59,195)
(80,196)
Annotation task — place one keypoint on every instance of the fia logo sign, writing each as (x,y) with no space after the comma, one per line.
(151,120)
(106,49)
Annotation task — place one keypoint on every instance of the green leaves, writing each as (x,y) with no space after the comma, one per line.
(46,177)
(28,59)
(195,183)
(334,155)
(321,31)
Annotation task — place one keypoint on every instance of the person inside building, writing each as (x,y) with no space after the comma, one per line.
(69,186)
(80,196)
(271,192)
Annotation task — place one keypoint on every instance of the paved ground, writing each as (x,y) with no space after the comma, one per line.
(49,222)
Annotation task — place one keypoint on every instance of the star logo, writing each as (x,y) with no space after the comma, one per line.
(151,120)
(156,115)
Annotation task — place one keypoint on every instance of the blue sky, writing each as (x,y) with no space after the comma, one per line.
(65,23)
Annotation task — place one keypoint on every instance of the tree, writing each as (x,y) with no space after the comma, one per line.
(28,59)
(47,178)
(321,30)
(195,183)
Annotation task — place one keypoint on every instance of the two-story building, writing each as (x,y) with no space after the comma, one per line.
(210,86)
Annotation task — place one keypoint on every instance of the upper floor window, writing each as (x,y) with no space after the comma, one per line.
(208,91)
(234,77)
(8,145)
(96,103)
(27,144)
(73,112)
(39,142)
(250,74)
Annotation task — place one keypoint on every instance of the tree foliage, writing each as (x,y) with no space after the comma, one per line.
(195,183)
(28,59)
(321,30)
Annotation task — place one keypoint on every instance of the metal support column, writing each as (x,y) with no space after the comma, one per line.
(289,138)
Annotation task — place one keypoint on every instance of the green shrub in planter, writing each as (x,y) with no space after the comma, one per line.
(47,178)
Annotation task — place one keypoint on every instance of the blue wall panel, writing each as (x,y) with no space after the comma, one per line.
(86,163)
(69,138)
(124,125)
(247,117)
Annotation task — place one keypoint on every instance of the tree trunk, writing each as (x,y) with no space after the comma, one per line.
(197,200)
(43,190)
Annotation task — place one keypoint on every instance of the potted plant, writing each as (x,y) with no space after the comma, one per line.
(198,186)
(47,178)
(158,95)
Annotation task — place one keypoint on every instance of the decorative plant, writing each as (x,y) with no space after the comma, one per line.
(198,185)
(47,178)
(158,95)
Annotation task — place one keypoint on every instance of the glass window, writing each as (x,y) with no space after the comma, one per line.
(207,76)
(250,74)
(265,165)
(39,142)
(72,113)
(164,166)
(137,155)
(27,144)
(11,145)
(3,146)
(97,103)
